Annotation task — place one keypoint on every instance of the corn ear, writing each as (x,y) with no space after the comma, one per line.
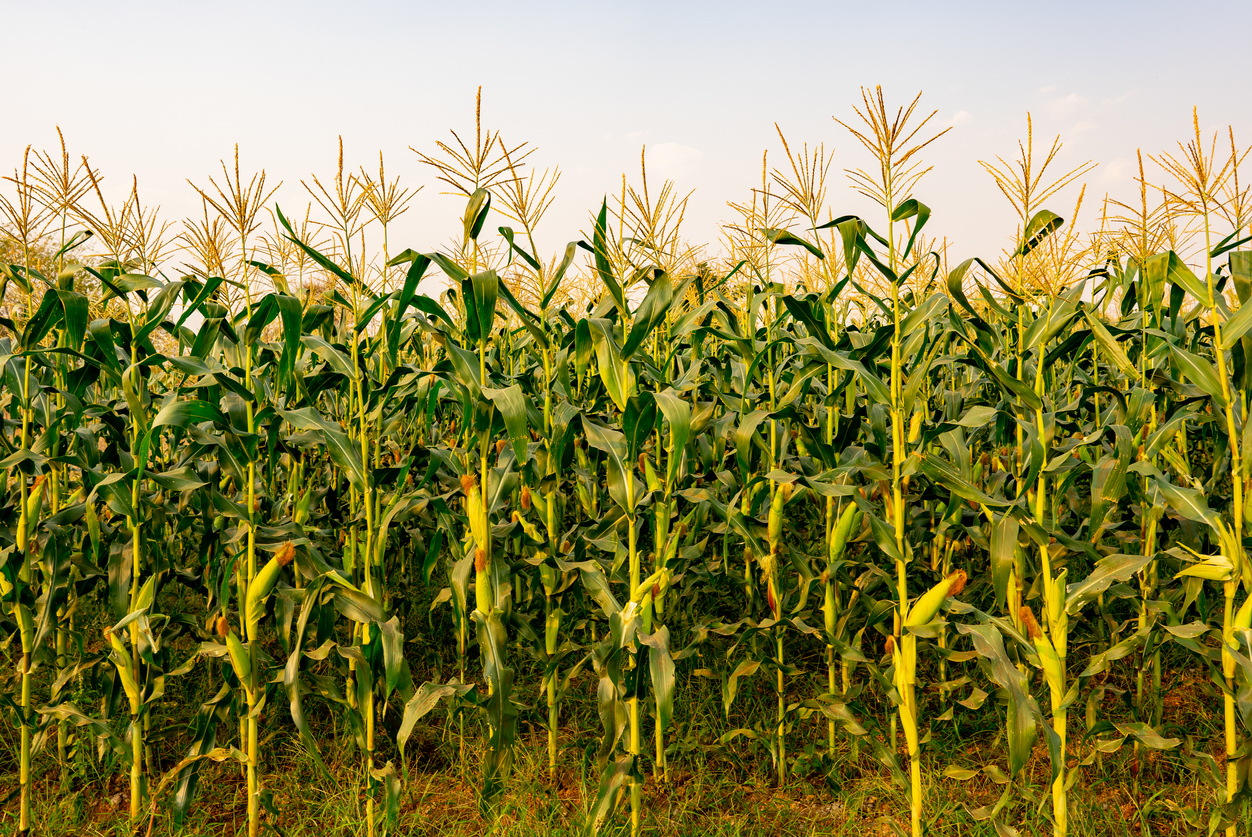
(828,611)
(1212,568)
(843,530)
(474,509)
(659,579)
(25,628)
(771,593)
(262,585)
(552,631)
(93,525)
(927,606)
(301,515)
(1057,616)
(125,668)
(30,514)
(1049,661)
(240,660)
(482,582)
(776,519)
(529,528)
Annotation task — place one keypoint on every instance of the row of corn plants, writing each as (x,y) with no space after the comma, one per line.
(959,490)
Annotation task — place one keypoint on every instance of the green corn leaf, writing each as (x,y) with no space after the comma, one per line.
(651,312)
(483,288)
(1041,225)
(322,261)
(612,778)
(476,213)
(186,413)
(426,698)
(571,250)
(615,371)
(336,359)
(1022,709)
(511,403)
(1200,372)
(942,473)
(613,444)
(661,667)
(784,237)
(677,413)
(604,269)
(1107,571)
(514,247)
(1168,267)
(1188,502)
(344,451)
(1109,346)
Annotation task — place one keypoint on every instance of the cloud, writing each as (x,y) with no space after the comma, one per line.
(960,117)
(1117,100)
(670,160)
(1065,106)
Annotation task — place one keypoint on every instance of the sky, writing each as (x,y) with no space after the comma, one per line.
(164,91)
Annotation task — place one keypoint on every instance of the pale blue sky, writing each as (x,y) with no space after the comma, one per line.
(164,90)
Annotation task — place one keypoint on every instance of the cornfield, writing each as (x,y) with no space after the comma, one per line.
(267,480)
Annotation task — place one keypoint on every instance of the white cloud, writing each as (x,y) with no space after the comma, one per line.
(960,117)
(1117,100)
(1066,105)
(670,160)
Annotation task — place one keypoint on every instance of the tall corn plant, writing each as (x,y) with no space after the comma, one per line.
(592,486)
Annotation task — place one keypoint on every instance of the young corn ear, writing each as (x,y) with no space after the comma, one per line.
(830,617)
(125,668)
(843,530)
(474,509)
(776,519)
(927,606)
(261,586)
(1048,659)
(30,514)
(1243,617)
(915,428)
(240,660)
(657,582)
(482,581)
(301,515)
(93,525)
(552,631)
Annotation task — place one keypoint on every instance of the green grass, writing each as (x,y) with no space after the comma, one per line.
(713,789)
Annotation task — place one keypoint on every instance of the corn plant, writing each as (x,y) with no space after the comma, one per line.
(900,490)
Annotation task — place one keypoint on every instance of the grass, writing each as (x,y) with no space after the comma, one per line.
(708,794)
(714,789)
